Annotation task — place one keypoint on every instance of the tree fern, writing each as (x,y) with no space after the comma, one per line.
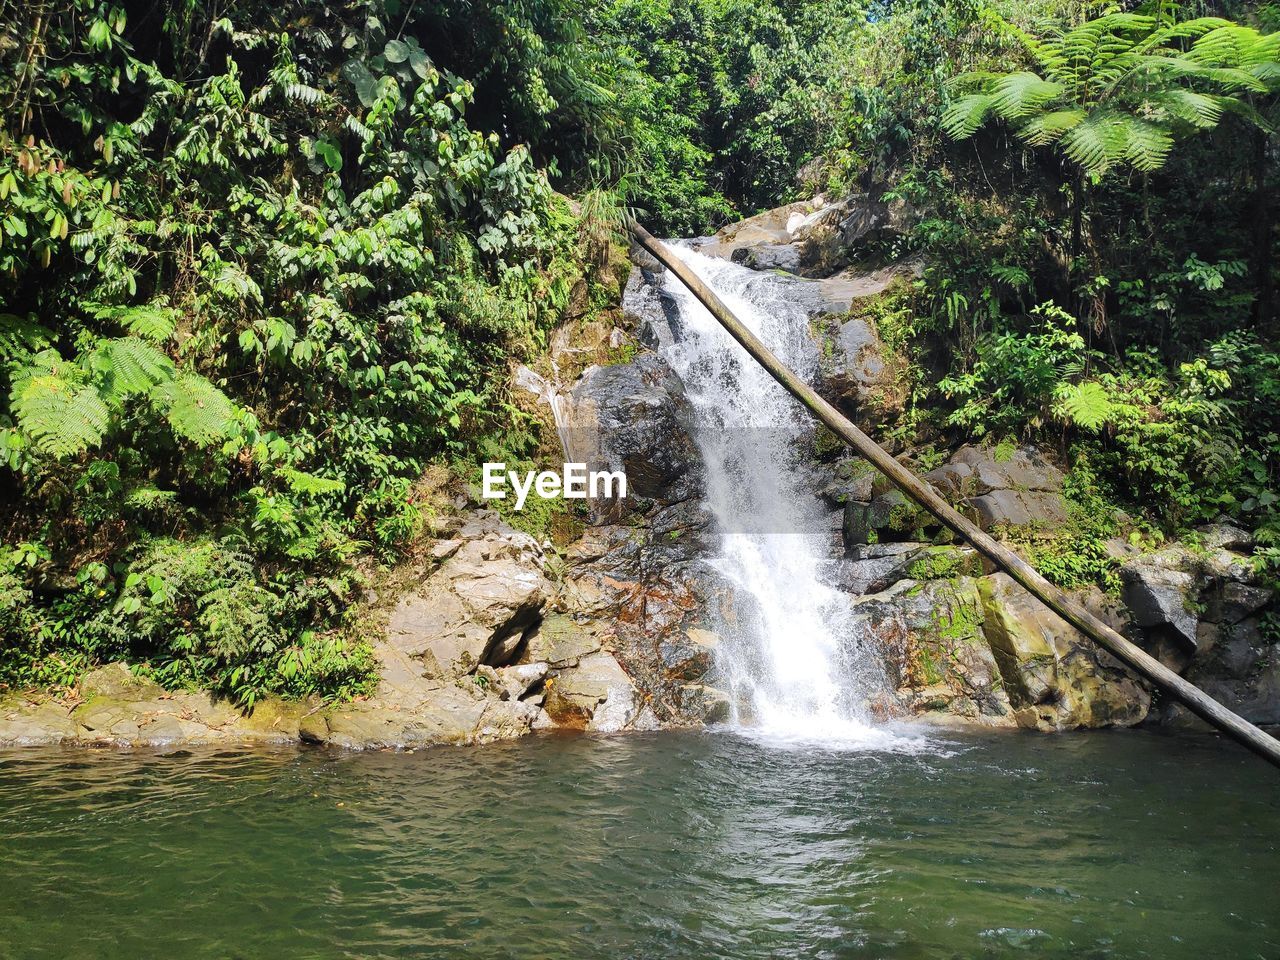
(1118,89)
(196,409)
(61,414)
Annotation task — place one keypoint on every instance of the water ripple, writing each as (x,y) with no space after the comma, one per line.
(698,845)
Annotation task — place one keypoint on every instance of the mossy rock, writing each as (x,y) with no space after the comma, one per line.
(944,563)
(890,517)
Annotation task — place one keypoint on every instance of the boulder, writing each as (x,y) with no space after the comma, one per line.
(871,568)
(490,589)
(634,417)
(856,370)
(1160,593)
(560,641)
(700,703)
(1225,536)
(1056,678)
(936,656)
(847,479)
(809,237)
(595,694)
(889,517)
(801,237)
(519,681)
(118,682)
(1021,489)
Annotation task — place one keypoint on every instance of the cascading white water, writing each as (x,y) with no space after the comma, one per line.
(797,665)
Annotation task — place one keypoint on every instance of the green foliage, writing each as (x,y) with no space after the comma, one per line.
(260,271)
(1153,347)
(1118,89)
(1078,555)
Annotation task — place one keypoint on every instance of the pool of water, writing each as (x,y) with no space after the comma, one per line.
(701,845)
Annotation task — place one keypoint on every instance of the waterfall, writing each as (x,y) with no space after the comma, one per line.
(795,664)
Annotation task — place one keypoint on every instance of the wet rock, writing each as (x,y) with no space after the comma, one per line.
(35,722)
(1055,676)
(688,655)
(633,417)
(871,568)
(936,655)
(848,479)
(701,703)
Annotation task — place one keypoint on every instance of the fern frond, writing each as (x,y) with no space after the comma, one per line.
(196,409)
(150,320)
(964,117)
(1147,144)
(59,414)
(1200,110)
(150,498)
(308,483)
(21,336)
(1084,404)
(131,365)
(1020,94)
(1049,128)
(1096,142)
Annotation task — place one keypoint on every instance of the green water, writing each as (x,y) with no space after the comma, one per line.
(664,846)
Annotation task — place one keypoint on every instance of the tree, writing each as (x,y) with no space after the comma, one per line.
(1118,90)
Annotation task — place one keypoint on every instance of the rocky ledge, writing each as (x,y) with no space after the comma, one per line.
(495,636)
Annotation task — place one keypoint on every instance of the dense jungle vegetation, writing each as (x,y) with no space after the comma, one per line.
(263,263)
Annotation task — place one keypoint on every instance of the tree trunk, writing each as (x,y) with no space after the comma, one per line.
(1263,233)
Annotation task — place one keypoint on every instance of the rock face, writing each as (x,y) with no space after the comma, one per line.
(634,417)
(115,708)
(983,650)
(857,371)
(809,237)
(1055,677)
(940,664)
(476,606)
(1022,489)
(1204,613)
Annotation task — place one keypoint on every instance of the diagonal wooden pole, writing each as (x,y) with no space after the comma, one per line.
(1185,692)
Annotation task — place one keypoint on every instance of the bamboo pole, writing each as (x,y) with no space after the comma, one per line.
(1185,692)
